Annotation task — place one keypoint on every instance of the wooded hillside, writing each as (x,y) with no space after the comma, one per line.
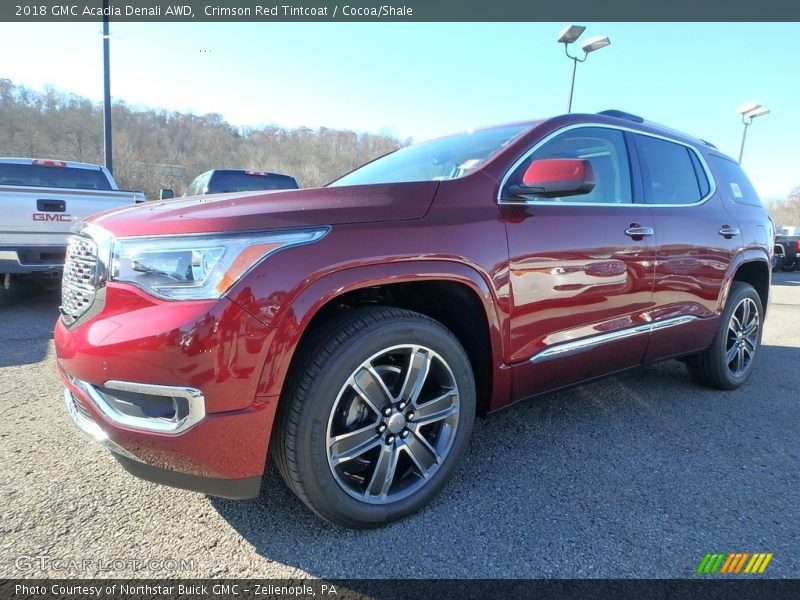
(787,212)
(157,148)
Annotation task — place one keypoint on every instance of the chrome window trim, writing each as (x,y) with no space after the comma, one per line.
(194,400)
(712,184)
(581,345)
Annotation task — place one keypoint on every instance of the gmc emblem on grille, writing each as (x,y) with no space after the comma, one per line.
(51,217)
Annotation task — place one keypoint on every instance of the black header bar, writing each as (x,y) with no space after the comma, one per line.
(399,10)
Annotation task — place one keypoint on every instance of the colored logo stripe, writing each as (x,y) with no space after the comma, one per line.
(734,563)
(710,563)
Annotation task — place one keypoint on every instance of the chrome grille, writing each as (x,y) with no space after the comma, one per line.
(79,284)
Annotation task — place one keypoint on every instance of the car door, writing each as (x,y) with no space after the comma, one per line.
(580,267)
(696,240)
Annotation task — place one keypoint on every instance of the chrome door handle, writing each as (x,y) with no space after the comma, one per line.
(639,232)
(728,232)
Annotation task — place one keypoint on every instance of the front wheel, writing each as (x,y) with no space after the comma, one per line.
(376,418)
(728,362)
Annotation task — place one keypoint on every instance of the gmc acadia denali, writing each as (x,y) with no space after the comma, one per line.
(356,330)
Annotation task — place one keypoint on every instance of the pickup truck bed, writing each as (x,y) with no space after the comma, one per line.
(36,219)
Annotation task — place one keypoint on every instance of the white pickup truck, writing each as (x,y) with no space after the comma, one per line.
(40,200)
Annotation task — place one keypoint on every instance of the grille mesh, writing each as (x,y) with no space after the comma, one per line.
(79,284)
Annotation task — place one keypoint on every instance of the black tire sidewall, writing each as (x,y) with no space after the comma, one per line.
(739,291)
(318,482)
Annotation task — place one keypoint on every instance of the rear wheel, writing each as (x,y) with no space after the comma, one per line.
(728,362)
(376,418)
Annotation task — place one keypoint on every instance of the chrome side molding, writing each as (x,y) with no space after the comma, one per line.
(568,348)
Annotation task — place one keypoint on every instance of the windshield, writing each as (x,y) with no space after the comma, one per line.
(444,158)
(56,177)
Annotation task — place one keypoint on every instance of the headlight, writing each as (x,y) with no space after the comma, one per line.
(197,267)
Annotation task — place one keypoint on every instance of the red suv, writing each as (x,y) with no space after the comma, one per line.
(356,330)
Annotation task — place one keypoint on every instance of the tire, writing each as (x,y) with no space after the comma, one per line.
(790,265)
(350,440)
(728,362)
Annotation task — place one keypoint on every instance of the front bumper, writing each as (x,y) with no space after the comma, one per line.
(125,365)
(153,461)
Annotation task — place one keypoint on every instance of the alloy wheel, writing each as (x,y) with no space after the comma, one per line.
(742,339)
(392,424)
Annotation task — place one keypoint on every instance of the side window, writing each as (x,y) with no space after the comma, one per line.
(205,183)
(605,150)
(731,178)
(670,172)
(193,187)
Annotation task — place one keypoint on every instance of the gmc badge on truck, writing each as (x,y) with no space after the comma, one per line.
(52,217)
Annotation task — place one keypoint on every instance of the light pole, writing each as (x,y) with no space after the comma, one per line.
(107,92)
(749,111)
(569,36)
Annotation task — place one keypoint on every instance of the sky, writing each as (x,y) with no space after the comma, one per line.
(423,80)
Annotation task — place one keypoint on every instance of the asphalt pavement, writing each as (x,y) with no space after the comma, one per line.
(638,475)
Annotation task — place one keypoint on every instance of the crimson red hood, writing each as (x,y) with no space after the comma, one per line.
(244,211)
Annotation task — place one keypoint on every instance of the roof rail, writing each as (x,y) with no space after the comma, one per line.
(621,115)
(637,119)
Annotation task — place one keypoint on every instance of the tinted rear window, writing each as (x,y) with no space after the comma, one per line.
(239,181)
(58,177)
(732,179)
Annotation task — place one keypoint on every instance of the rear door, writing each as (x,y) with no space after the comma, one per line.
(580,268)
(696,240)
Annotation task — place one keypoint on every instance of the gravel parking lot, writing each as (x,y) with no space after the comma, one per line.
(639,475)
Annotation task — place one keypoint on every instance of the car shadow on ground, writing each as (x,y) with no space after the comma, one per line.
(788,278)
(578,483)
(28,312)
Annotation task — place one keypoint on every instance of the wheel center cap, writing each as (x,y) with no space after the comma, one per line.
(396,423)
(739,337)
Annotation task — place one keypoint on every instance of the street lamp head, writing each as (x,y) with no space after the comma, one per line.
(748,107)
(595,43)
(759,112)
(570,34)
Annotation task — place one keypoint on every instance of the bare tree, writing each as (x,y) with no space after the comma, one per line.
(787,212)
(157,148)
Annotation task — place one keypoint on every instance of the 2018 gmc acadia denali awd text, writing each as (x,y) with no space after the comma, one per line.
(357,329)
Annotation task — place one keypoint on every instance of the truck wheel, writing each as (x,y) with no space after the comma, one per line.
(790,265)
(728,362)
(376,416)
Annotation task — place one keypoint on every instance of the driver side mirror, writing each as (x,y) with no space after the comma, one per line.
(554,178)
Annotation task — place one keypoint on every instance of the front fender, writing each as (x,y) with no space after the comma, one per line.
(305,305)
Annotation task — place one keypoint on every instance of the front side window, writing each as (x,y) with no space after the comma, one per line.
(604,149)
(671,172)
(435,160)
